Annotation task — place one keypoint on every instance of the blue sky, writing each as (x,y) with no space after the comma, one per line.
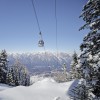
(19,30)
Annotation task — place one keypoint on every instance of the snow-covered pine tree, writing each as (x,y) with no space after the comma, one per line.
(25,77)
(3,66)
(74,72)
(89,61)
(10,77)
(79,92)
(21,75)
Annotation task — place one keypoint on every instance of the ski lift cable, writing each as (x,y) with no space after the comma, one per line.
(41,42)
(39,28)
(36,16)
(56,30)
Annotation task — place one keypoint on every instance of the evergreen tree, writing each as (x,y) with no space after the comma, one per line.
(74,70)
(14,75)
(65,72)
(21,75)
(10,77)
(3,66)
(80,92)
(89,61)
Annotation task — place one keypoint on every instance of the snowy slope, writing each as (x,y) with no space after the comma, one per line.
(4,86)
(46,89)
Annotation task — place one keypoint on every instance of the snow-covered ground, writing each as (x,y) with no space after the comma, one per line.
(45,89)
(4,86)
(36,78)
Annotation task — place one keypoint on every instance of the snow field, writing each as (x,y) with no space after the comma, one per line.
(45,89)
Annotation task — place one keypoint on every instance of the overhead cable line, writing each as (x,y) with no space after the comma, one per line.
(41,42)
(56,29)
(36,15)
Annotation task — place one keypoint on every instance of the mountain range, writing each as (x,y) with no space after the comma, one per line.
(41,62)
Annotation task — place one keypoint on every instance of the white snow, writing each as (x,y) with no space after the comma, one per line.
(92,95)
(36,78)
(91,25)
(46,89)
(4,86)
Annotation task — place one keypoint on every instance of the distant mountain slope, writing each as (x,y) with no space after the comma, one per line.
(41,61)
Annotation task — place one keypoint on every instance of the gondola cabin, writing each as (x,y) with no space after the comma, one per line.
(41,43)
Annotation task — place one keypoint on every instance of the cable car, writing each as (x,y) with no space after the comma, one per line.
(41,43)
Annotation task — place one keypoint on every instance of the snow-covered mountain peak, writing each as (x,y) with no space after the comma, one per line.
(44,60)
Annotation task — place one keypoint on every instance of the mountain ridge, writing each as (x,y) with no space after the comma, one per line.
(41,60)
